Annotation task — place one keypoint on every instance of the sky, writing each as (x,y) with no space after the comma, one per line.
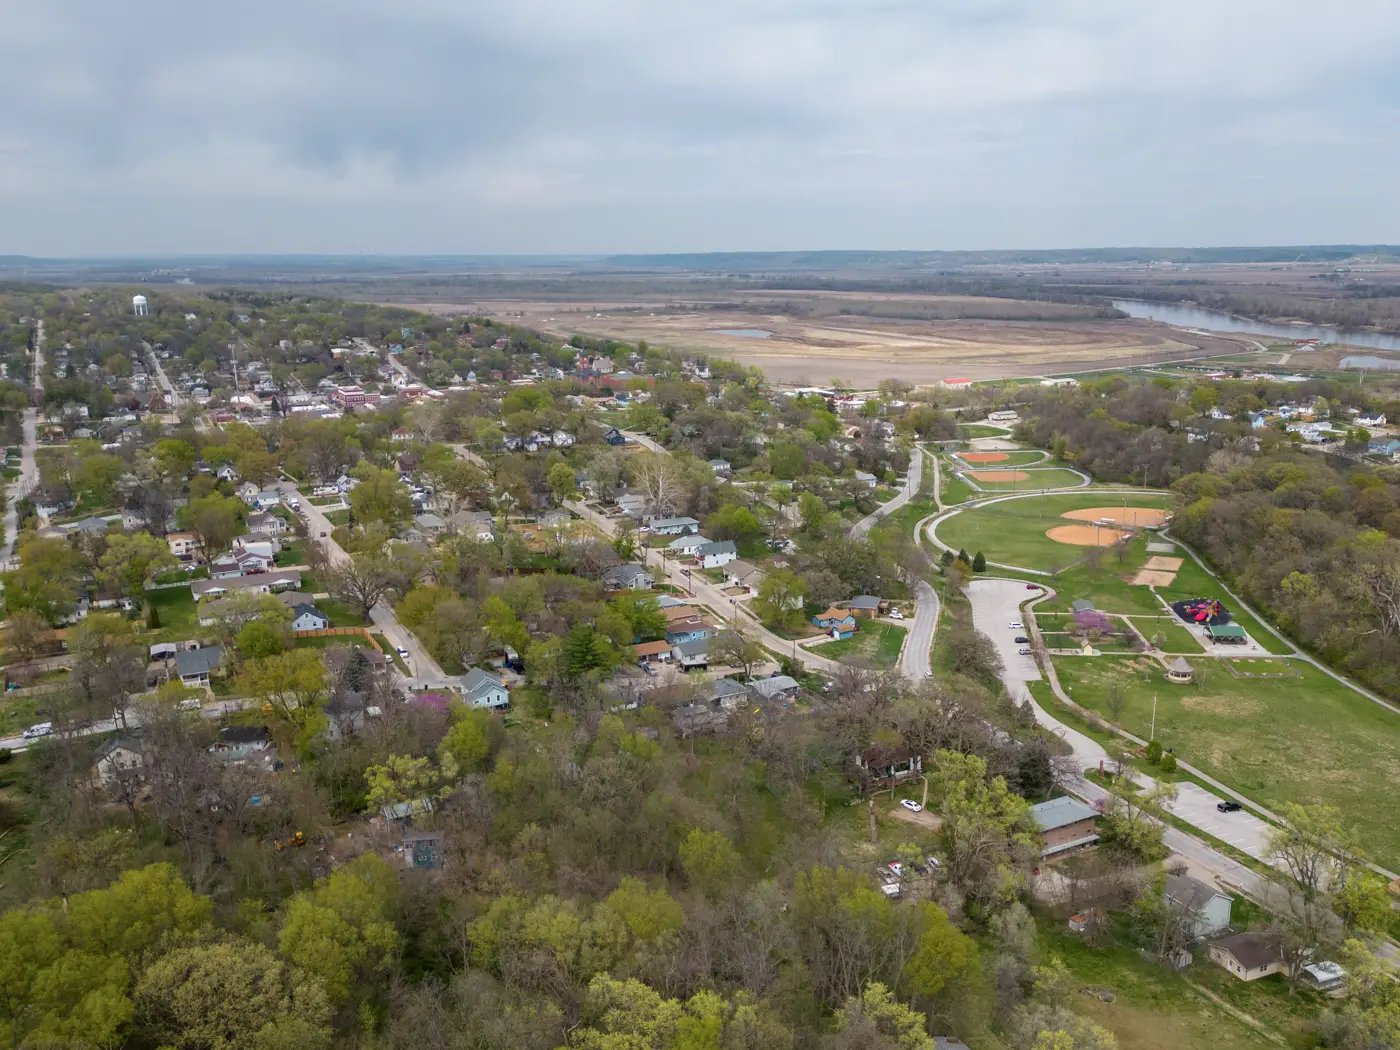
(601,126)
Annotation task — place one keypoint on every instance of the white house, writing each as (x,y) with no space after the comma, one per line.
(744,574)
(866,479)
(484,690)
(271,524)
(673,526)
(119,757)
(715,555)
(309,618)
(261,544)
(183,544)
(1207,907)
(686,546)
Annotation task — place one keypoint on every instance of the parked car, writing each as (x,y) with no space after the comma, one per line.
(895,614)
(1021,638)
(911,805)
(1228,807)
(34,732)
(1032,586)
(192,704)
(403,652)
(1024,651)
(1015,625)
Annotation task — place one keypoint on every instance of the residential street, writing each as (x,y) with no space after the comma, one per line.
(426,673)
(28,467)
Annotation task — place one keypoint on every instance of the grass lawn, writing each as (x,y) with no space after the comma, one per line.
(18,713)
(1013,531)
(1308,739)
(1015,458)
(292,554)
(876,643)
(176,608)
(1155,1009)
(338,517)
(330,641)
(1040,478)
(981,430)
(1179,637)
(341,615)
(955,489)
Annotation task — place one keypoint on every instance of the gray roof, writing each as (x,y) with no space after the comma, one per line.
(863,601)
(1180,666)
(1060,812)
(724,688)
(624,573)
(198,661)
(694,647)
(1192,894)
(299,610)
(718,547)
(121,742)
(476,681)
(1253,950)
(238,583)
(694,539)
(1081,605)
(771,687)
(670,523)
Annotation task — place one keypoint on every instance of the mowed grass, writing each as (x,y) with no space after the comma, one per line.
(176,608)
(1014,458)
(874,643)
(1179,638)
(1039,478)
(1307,739)
(981,430)
(1013,531)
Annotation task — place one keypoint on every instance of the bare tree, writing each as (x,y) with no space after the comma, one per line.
(660,481)
(362,582)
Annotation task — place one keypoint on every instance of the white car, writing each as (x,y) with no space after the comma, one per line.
(895,614)
(911,805)
(403,653)
(1014,625)
(36,731)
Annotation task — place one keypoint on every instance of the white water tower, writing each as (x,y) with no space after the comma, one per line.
(139,306)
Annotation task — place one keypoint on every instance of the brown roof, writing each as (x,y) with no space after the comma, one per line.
(1253,951)
(679,612)
(834,614)
(880,757)
(651,648)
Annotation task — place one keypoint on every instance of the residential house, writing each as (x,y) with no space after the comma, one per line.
(338,659)
(780,687)
(195,666)
(1249,956)
(119,758)
(863,478)
(1325,977)
(263,583)
(268,523)
(721,467)
(687,546)
(632,505)
(883,767)
(864,606)
(689,629)
(836,622)
(744,574)
(1065,824)
(237,744)
(268,498)
(673,526)
(1371,421)
(1388,447)
(718,554)
(692,654)
(477,524)
(627,577)
(239,563)
(696,718)
(562,439)
(652,652)
(430,523)
(309,618)
(614,437)
(484,690)
(183,545)
(947,1042)
(248,493)
(261,543)
(1207,907)
(727,693)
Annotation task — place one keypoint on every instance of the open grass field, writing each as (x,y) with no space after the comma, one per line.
(176,608)
(1013,531)
(993,478)
(1020,457)
(875,643)
(1179,637)
(981,430)
(1155,1009)
(1306,739)
(1194,582)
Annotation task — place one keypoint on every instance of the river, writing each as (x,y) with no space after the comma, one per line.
(1216,321)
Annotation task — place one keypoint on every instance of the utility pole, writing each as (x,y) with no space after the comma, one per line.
(1152,735)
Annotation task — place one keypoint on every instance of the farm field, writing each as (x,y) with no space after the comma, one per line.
(1276,739)
(1013,531)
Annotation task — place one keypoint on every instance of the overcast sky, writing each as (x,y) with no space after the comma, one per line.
(464,126)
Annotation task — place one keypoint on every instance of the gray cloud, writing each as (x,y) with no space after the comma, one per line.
(614,125)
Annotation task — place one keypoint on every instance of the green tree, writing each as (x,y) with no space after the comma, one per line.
(648,914)
(562,485)
(780,598)
(404,778)
(710,862)
(141,911)
(130,560)
(468,739)
(47,580)
(215,520)
(229,996)
(342,931)
(260,639)
(943,955)
(642,612)
(379,496)
(876,1019)
(586,649)
(987,836)
(733,523)
(173,458)
(293,684)
(363,581)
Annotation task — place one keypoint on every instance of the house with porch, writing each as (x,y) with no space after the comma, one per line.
(878,768)
(693,654)
(838,623)
(481,689)
(687,546)
(195,667)
(1249,956)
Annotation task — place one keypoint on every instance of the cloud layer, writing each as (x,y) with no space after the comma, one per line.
(618,125)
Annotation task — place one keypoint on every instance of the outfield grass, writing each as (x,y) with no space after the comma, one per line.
(1308,739)
(1040,478)
(955,489)
(1013,531)
(876,643)
(981,430)
(1014,458)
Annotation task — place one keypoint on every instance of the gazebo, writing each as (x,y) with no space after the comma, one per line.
(1180,671)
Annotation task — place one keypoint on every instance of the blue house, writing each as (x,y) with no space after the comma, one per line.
(1388,447)
(839,623)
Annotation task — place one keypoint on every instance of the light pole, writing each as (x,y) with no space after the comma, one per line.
(1152,734)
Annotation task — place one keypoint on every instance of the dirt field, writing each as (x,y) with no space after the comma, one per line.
(1086,535)
(998,475)
(1149,578)
(1163,564)
(1142,517)
(983,457)
(860,350)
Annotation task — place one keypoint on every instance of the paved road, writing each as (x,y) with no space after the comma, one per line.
(912,480)
(725,607)
(426,672)
(171,394)
(28,467)
(641,439)
(211,709)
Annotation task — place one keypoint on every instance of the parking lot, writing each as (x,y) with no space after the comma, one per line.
(996,603)
(1243,830)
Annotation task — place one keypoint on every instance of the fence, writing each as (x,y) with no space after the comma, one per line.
(334,632)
